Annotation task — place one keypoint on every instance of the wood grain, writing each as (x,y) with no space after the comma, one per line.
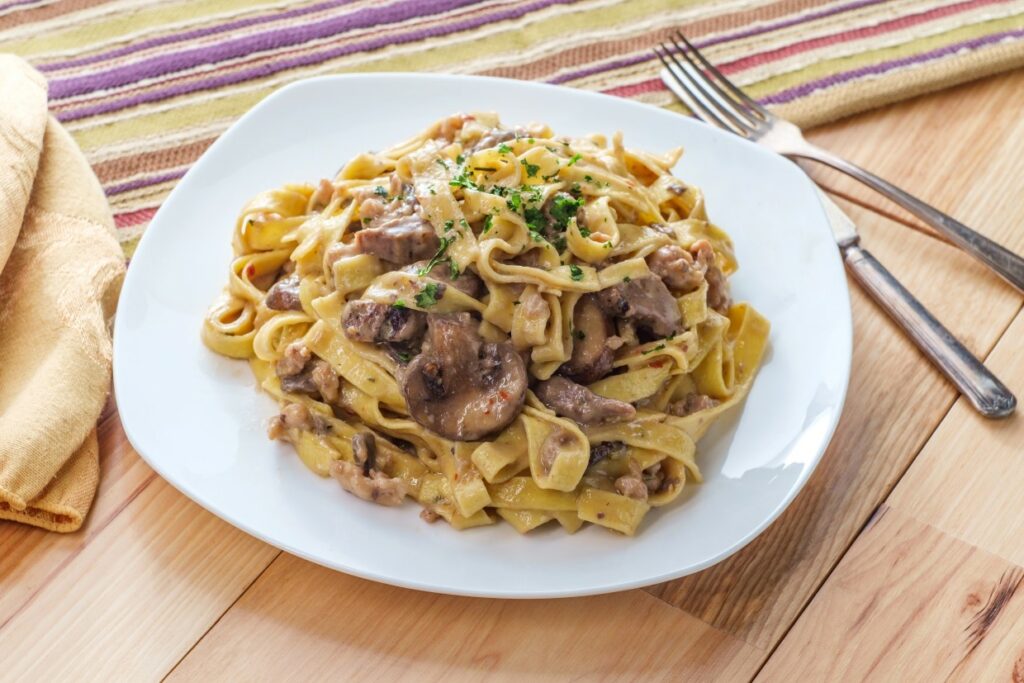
(908,603)
(895,399)
(300,621)
(134,596)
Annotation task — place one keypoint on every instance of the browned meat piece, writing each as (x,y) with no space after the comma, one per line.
(296,355)
(632,485)
(592,354)
(429,516)
(295,416)
(692,403)
(325,380)
(401,241)
(284,295)
(467,282)
(580,404)
(645,302)
(654,478)
(369,321)
(718,286)
(460,386)
(323,194)
(604,450)
(377,487)
(675,266)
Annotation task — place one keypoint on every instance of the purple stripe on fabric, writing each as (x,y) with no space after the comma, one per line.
(809,87)
(724,38)
(16,3)
(262,71)
(192,35)
(160,65)
(143,182)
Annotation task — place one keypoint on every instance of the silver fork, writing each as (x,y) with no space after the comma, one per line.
(716,100)
(709,98)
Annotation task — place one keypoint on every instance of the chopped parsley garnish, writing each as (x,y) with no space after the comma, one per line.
(659,347)
(560,243)
(488,224)
(588,178)
(584,232)
(449,226)
(514,201)
(459,159)
(579,334)
(627,279)
(504,149)
(563,208)
(432,190)
(398,303)
(576,272)
(486,169)
(380,191)
(535,222)
(464,223)
(366,219)
(530,140)
(576,189)
(453,268)
(574,159)
(461,179)
(442,163)
(437,257)
(550,177)
(427,296)
(404,357)
(531,169)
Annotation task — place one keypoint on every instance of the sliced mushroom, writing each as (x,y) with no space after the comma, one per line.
(580,404)
(605,450)
(690,404)
(461,387)
(372,322)
(467,281)
(284,295)
(646,302)
(592,355)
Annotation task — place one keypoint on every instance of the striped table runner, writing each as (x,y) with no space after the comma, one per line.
(146,85)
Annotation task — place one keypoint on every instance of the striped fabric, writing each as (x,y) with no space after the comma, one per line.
(146,85)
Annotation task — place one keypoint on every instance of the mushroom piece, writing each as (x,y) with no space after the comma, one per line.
(580,404)
(284,295)
(461,387)
(369,321)
(401,240)
(592,356)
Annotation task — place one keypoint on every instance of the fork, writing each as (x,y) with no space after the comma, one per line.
(715,99)
(709,98)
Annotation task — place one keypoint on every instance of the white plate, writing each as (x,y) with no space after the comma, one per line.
(198,419)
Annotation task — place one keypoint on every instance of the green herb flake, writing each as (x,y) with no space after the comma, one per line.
(627,279)
(460,159)
(504,149)
(588,178)
(563,208)
(488,224)
(398,303)
(404,357)
(437,257)
(659,347)
(485,169)
(574,159)
(464,223)
(514,201)
(579,334)
(427,296)
(576,272)
(530,140)
(432,190)
(531,169)
(441,162)
(366,220)
(453,268)
(584,232)
(380,191)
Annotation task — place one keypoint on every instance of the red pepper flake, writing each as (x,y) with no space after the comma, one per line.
(600,515)
(250,270)
(657,364)
(504,395)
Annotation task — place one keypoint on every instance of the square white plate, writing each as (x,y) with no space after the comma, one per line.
(198,418)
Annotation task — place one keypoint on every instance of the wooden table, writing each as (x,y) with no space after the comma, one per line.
(900,560)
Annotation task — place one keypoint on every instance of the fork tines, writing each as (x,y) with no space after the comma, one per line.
(707,91)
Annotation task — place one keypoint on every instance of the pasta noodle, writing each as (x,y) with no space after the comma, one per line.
(502,324)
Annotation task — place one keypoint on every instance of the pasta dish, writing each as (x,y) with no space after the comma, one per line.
(498,323)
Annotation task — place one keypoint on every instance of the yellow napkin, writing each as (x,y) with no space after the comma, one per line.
(60,274)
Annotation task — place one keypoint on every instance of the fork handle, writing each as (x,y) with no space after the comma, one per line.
(1008,265)
(983,389)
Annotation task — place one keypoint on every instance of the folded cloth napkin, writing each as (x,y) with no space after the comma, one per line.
(60,274)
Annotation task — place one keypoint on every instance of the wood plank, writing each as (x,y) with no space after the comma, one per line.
(30,557)
(968,479)
(300,621)
(908,603)
(896,399)
(130,599)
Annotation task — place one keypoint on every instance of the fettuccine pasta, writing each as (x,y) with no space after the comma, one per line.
(501,324)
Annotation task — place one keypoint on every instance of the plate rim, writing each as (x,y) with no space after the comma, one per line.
(609,586)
